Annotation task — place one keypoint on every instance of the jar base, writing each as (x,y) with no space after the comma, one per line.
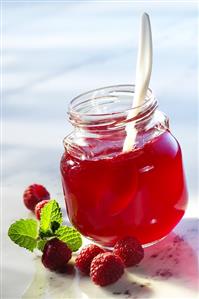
(111,247)
(154,242)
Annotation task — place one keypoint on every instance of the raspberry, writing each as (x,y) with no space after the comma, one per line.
(129,250)
(34,194)
(56,255)
(39,207)
(106,268)
(85,257)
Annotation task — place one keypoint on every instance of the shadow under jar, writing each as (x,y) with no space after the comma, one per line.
(110,193)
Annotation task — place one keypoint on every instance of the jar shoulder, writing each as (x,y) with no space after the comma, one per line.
(164,146)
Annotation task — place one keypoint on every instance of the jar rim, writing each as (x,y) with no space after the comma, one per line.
(118,99)
(72,111)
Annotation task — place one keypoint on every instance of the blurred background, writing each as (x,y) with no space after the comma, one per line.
(52,51)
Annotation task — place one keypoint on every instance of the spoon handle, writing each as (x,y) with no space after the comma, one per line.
(144,61)
(143,75)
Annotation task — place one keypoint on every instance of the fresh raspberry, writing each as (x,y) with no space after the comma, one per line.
(39,207)
(85,257)
(106,268)
(56,255)
(34,194)
(129,250)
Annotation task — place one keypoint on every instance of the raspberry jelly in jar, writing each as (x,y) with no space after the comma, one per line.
(110,193)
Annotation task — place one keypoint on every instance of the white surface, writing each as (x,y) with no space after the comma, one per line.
(169,270)
(54,51)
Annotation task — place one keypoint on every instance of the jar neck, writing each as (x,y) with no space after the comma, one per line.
(109,109)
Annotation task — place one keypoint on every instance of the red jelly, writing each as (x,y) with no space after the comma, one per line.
(110,193)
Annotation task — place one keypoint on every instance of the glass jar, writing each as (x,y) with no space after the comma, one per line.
(110,193)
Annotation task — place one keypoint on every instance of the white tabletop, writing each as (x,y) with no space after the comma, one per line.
(52,51)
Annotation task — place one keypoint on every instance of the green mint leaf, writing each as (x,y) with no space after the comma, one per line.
(24,233)
(51,218)
(70,236)
(41,243)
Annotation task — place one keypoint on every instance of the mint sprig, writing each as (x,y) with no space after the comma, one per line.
(31,234)
(24,233)
(51,218)
(70,236)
